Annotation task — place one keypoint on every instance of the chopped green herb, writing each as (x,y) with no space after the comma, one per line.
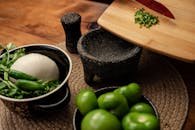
(145,19)
(2,85)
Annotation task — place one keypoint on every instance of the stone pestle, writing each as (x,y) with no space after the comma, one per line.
(71,23)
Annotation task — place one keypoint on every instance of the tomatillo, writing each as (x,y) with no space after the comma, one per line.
(142,108)
(100,119)
(140,121)
(114,102)
(132,92)
(86,101)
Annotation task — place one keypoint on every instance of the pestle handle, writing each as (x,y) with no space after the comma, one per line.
(71,23)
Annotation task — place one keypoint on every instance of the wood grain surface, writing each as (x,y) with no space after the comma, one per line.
(171,37)
(38,21)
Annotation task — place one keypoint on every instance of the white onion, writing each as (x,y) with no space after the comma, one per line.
(37,65)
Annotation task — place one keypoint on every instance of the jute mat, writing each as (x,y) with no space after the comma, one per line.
(159,80)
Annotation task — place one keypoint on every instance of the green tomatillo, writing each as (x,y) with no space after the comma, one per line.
(140,121)
(142,107)
(86,101)
(115,103)
(132,92)
(100,119)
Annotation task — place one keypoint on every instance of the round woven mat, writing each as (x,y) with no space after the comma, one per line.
(159,80)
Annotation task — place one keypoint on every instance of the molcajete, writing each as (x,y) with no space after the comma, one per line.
(104,56)
(107,58)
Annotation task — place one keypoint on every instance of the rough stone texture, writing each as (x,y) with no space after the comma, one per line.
(71,23)
(107,57)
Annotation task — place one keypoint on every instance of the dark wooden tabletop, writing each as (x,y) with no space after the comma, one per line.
(38,21)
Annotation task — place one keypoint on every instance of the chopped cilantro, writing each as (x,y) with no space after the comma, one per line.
(145,19)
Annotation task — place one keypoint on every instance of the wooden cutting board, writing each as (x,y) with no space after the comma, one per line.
(171,37)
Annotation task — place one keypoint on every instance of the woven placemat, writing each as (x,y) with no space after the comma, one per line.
(159,80)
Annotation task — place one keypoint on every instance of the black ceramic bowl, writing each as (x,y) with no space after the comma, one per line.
(107,57)
(50,101)
(77,117)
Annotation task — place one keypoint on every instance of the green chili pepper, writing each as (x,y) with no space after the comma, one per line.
(20,75)
(29,85)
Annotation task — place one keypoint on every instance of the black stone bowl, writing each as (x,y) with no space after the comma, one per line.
(105,57)
(51,101)
(77,117)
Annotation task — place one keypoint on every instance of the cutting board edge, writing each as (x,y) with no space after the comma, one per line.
(185,59)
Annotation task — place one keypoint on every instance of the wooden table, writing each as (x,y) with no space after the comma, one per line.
(38,21)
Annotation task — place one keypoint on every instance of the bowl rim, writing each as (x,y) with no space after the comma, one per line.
(115,87)
(51,92)
(83,53)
